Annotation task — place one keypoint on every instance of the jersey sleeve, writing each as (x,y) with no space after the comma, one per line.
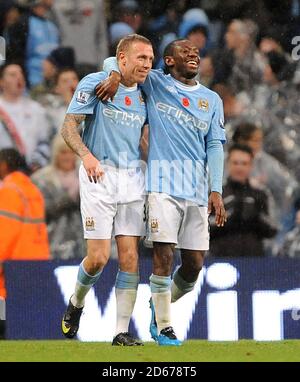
(154,76)
(111,64)
(84,99)
(217,130)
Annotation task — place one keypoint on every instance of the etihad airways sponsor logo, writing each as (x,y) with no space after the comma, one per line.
(181,117)
(124,117)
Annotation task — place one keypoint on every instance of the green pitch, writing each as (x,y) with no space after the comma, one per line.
(74,351)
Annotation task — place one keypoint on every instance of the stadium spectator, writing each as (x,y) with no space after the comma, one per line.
(248,216)
(166,21)
(59,59)
(56,103)
(23,231)
(9,15)
(207,71)
(248,63)
(128,11)
(291,243)
(32,39)
(195,27)
(278,68)
(267,171)
(234,106)
(271,41)
(83,26)
(117,31)
(24,123)
(278,123)
(59,185)
(281,98)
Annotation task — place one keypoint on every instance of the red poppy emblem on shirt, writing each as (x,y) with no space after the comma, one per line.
(127,101)
(185,102)
(87,12)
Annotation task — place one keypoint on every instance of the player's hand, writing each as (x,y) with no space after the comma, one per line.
(93,168)
(215,203)
(108,88)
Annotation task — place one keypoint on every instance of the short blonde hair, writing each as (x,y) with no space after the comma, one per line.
(126,41)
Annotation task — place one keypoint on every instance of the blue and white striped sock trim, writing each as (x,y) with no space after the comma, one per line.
(181,284)
(160,284)
(127,280)
(84,278)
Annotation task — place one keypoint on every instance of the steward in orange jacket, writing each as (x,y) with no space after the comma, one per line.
(23,231)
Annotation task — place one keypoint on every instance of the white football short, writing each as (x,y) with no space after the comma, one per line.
(113,206)
(178,221)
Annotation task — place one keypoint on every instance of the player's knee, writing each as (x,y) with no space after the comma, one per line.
(192,264)
(128,261)
(95,265)
(162,263)
(195,266)
(193,269)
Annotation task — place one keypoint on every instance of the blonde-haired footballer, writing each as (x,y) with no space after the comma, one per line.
(111,181)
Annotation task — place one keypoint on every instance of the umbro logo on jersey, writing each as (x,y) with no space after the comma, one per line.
(203,104)
(171,89)
(185,102)
(127,101)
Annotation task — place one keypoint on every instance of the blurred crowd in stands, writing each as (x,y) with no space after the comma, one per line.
(247,56)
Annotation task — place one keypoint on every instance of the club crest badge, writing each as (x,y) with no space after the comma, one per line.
(154,225)
(89,224)
(203,104)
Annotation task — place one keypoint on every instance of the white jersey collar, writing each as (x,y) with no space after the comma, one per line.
(188,88)
(128,89)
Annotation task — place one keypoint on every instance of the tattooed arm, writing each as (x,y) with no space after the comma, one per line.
(72,138)
(70,133)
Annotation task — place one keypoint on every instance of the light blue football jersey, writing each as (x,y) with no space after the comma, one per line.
(112,129)
(182,120)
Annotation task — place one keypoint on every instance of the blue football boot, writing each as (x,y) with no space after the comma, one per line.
(167,337)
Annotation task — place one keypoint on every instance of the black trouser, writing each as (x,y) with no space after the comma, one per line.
(2,329)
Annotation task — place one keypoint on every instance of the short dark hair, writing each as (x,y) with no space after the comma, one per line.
(126,41)
(9,63)
(239,147)
(169,49)
(62,71)
(281,67)
(244,131)
(14,160)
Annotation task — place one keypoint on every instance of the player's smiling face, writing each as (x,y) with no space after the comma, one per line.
(138,62)
(185,59)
